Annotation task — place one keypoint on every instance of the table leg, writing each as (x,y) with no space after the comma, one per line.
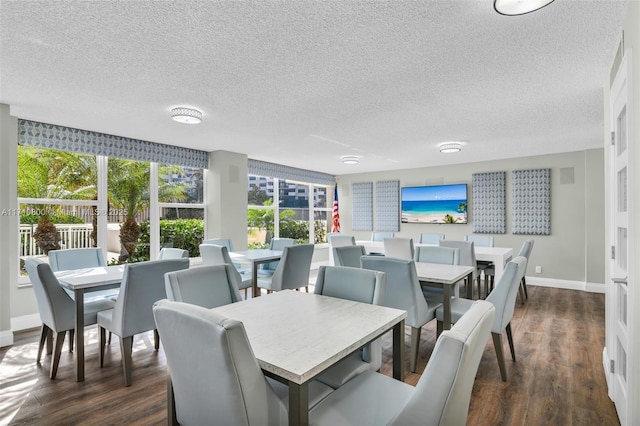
(446,304)
(79,296)
(299,404)
(470,284)
(255,291)
(398,351)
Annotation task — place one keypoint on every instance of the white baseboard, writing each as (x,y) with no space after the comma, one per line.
(25,322)
(566,284)
(6,338)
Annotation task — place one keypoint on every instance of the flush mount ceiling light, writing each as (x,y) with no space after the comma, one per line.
(519,7)
(186,115)
(450,147)
(350,159)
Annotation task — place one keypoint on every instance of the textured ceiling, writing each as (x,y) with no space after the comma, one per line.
(304,82)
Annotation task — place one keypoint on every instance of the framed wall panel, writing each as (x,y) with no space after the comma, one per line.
(489,203)
(362,206)
(531,202)
(388,206)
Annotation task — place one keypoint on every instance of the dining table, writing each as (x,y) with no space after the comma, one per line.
(295,336)
(255,257)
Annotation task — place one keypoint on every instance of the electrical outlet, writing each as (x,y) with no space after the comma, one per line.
(538,269)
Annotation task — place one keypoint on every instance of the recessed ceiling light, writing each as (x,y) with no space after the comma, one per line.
(186,115)
(450,147)
(350,159)
(519,7)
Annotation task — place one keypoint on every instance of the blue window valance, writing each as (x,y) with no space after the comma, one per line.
(52,136)
(263,168)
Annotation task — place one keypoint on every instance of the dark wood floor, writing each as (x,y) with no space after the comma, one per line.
(557,379)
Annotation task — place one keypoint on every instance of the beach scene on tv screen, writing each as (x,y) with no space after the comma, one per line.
(434,204)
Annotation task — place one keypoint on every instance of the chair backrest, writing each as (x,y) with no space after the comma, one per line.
(207,286)
(348,256)
(525,250)
(278,244)
(505,292)
(220,380)
(400,248)
(65,260)
(480,240)
(57,309)
(142,286)
(380,236)
(467,253)
(294,266)
(339,240)
(173,253)
(443,392)
(431,238)
(359,285)
(403,290)
(220,242)
(437,254)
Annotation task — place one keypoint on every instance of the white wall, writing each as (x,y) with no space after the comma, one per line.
(577,209)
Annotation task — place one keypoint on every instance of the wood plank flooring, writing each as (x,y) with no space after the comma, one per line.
(557,379)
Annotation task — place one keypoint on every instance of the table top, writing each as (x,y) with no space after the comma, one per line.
(255,255)
(444,274)
(504,252)
(90,277)
(297,335)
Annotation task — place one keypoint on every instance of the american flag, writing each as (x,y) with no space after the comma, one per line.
(335,218)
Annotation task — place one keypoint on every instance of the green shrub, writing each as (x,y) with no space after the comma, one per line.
(186,234)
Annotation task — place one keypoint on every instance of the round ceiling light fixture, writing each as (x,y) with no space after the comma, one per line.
(350,159)
(450,147)
(519,7)
(186,115)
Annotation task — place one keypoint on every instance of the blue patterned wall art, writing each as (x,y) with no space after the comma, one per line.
(362,206)
(531,200)
(263,168)
(489,203)
(388,205)
(52,136)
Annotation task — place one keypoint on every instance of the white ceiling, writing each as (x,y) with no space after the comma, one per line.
(304,82)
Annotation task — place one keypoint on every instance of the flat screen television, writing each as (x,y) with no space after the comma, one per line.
(434,204)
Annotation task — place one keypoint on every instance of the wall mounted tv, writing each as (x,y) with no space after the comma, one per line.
(434,204)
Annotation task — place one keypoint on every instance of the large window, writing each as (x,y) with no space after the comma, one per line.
(279,208)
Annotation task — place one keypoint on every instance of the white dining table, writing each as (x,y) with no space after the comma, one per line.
(295,336)
(255,257)
(82,281)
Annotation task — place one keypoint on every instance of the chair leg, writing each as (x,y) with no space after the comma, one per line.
(439,328)
(49,341)
(415,347)
(103,334)
(521,293)
(109,339)
(72,335)
(479,287)
(306,287)
(126,347)
(55,360)
(156,339)
(43,339)
(497,343)
(510,339)
(524,286)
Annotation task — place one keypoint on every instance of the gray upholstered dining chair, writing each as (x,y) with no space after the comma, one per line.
(57,310)
(503,297)
(441,396)
(467,258)
(214,374)
(403,291)
(348,256)
(173,253)
(525,251)
(220,242)
(400,248)
(430,238)
(437,254)
(380,236)
(480,240)
(142,285)
(79,258)
(292,271)
(276,244)
(339,240)
(213,254)
(359,285)
(207,286)
(485,267)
